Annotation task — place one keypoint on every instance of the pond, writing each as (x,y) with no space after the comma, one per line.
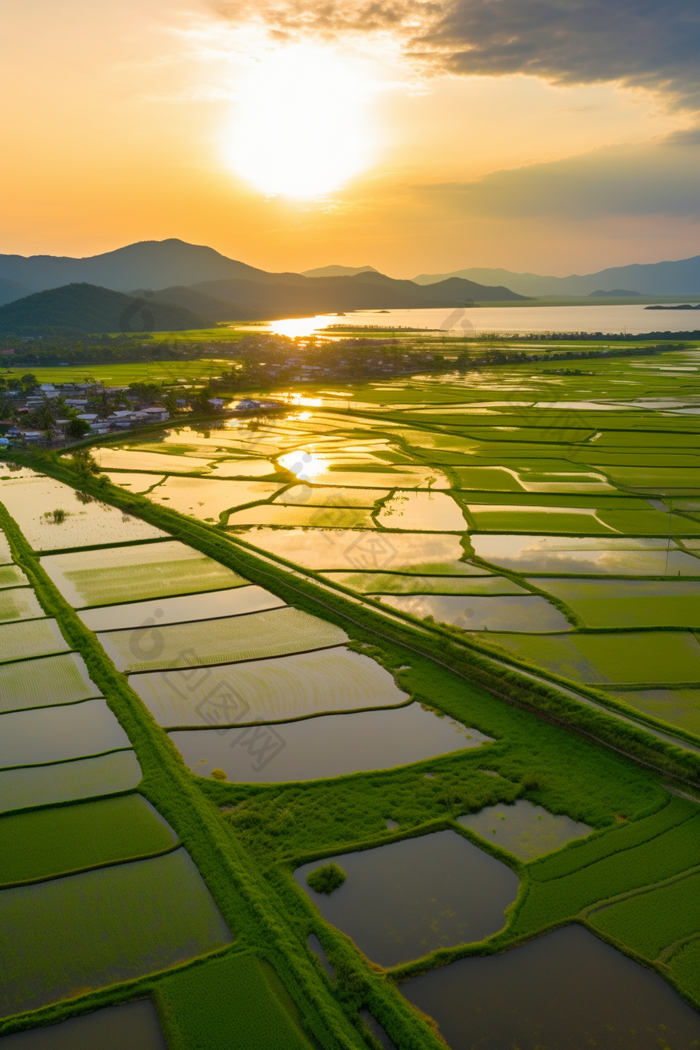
(327,746)
(565,991)
(405,899)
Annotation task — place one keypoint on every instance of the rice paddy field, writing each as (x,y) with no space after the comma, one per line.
(373,724)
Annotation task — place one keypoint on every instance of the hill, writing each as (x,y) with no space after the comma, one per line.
(88,308)
(146,264)
(365,291)
(175,266)
(337,271)
(664,278)
(199,302)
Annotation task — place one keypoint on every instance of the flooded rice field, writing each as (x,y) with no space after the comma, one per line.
(327,746)
(531,613)
(273,690)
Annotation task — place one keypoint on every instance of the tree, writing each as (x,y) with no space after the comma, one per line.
(77,428)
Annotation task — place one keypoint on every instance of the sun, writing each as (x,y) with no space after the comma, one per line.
(300,128)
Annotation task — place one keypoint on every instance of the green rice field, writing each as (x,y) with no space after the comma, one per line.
(251,637)
(156,913)
(61,679)
(460,607)
(52,841)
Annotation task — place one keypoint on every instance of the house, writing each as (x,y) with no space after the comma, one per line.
(156,414)
(216,402)
(246,406)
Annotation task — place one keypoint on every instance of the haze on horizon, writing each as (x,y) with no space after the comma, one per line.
(538,135)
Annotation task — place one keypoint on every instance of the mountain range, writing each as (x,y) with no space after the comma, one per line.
(664,278)
(48,291)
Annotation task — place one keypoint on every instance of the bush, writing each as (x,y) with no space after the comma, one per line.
(326,879)
(218,774)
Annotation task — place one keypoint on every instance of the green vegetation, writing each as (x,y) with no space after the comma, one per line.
(156,913)
(326,879)
(51,841)
(52,680)
(234,1001)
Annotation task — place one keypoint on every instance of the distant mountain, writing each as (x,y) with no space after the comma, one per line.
(11,290)
(337,271)
(612,293)
(200,303)
(147,264)
(88,308)
(664,278)
(368,290)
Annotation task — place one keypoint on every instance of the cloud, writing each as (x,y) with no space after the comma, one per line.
(651,44)
(655,179)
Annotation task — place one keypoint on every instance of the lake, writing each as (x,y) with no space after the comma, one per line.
(476,320)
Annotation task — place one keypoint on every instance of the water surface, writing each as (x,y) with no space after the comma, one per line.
(328,746)
(133,1026)
(523,829)
(565,991)
(405,899)
(50,734)
(159,611)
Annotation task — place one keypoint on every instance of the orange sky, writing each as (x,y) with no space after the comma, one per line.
(131,121)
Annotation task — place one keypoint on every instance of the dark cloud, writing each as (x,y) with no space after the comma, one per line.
(644,43)
(658,179)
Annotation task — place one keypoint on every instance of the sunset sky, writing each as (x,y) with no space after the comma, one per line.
(555,136)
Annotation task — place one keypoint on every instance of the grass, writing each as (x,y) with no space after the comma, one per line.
(50,841)
(164,372)
(67,936)
(251,637)
(395,583)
